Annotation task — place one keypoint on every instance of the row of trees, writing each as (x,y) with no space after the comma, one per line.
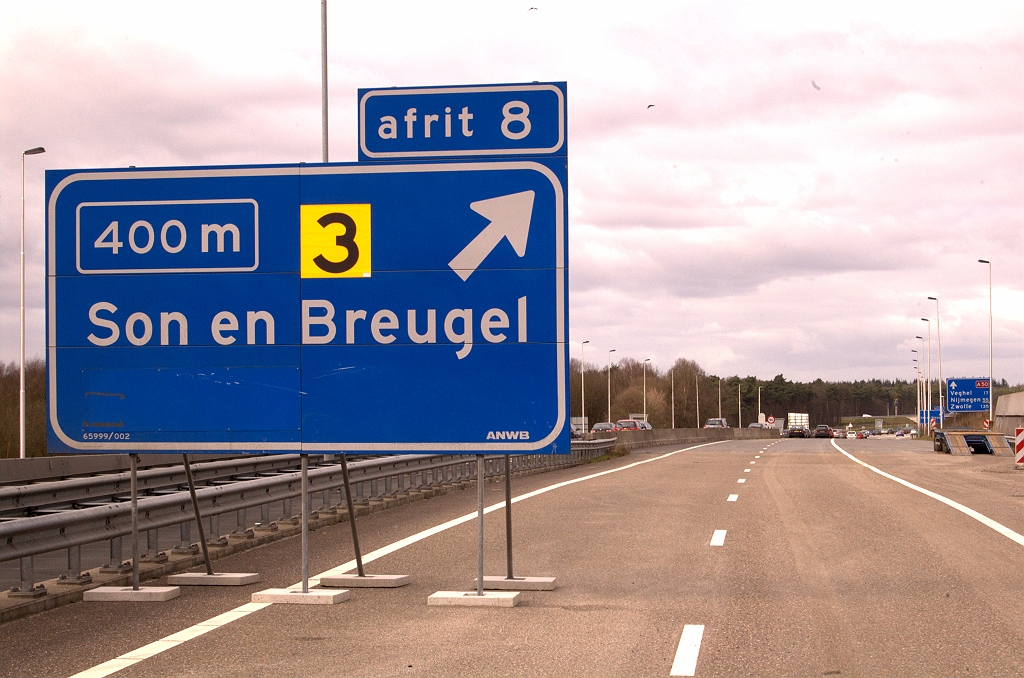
(35,409)
(825,402)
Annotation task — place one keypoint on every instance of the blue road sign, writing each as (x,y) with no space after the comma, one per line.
(924,416)
(968,395)
(463,121)
(359,308)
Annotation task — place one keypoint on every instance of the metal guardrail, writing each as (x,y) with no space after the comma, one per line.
(163,504)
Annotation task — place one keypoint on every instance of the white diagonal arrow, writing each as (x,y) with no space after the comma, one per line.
(510,218)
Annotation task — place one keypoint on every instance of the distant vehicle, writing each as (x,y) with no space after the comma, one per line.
(628,425)
(646,426)
(716,422)
(860,435)
(799,420)
(822,431)
(574,432)
(797,432)
(900,433)
(603,426)
(838,433)
(755,425)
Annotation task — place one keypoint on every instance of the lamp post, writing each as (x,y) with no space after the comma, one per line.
(583,390)
(646,360)
(719,397)
(917,383)
(739,404)
(323,73)
(917,373)
(938,334)
(21,394)
(928,394)
(610,383)
(759,413)
(696,390)
(921,374)
(991,400)
(672,381)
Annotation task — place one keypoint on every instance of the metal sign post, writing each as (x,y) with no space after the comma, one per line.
(134,459)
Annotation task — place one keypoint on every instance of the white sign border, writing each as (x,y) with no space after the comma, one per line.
(365,168)
(459,90)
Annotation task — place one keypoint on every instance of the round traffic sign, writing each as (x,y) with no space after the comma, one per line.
(771,419)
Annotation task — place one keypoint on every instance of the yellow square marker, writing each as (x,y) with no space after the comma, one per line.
(335,241)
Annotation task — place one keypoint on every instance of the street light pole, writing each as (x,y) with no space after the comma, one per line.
(323,73)
(991,400)
(646,360)
(938,333)
(21,394)
(672,380)
(719,397)
(921,375)
(928,395)
(610,383)
(759,405)
(739,404)
(696,390)
(583,390)
(917,384)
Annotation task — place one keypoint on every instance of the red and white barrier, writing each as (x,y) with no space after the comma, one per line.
(1019,446)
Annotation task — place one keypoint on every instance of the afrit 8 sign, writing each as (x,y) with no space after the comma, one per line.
(374,308)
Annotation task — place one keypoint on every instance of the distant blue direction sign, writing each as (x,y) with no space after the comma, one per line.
(967,395)
(463,121)
(359,308)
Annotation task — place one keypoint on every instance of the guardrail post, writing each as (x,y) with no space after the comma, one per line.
(28,588)
(185,546)
(265,514)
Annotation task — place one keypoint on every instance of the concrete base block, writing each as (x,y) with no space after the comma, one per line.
(370,581)
(145,594)
(520,583)
(216,579)
(297,597)
(471,599)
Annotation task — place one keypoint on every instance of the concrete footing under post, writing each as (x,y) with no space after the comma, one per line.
(145,594)
(297,597)
(216,579)
(369,581)
(519,583)
(472,599)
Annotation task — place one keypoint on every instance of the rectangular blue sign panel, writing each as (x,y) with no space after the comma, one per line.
(968,395)
(373,308)
(464,121)
(924,417)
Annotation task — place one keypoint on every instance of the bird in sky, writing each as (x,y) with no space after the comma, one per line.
(650,105)
(815,85)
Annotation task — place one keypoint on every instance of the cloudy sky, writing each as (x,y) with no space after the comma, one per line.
(808,175)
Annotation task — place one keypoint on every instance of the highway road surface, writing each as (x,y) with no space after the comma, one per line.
(741,558)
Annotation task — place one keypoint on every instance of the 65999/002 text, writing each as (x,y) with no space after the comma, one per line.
(106,435)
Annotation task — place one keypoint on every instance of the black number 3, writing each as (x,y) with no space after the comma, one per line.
(346,240)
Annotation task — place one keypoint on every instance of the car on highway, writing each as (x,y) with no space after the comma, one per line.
(628,425)
(603,426)
(574,432)
(860,435)
(755,425)
(797,432)
(822,431)
(838,433)
(716,422)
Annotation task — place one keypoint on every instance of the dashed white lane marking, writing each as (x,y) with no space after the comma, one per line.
(685,663)
(718,538)
(757,456)
(733,497)
(173,640)
(984,520)
(753,462)
(742,480)
(746,470)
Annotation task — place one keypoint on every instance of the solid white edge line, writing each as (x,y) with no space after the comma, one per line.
(718,538)
(685,662)
(984,520)
(175,639)
(733,497)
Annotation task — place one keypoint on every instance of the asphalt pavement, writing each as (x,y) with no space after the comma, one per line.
(825,568)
